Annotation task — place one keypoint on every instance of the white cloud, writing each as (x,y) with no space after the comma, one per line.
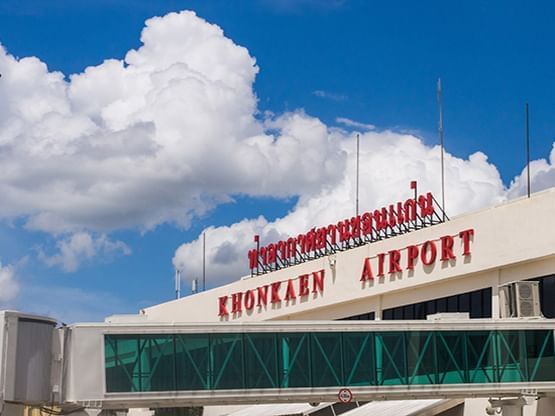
(161,136)
(354,124)
(388,162)
(80,247)
(329,95)
(542,176)
(173,130)
(9,286)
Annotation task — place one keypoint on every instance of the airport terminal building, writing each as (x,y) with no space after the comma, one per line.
(396,311)
(454,266)
(401,262)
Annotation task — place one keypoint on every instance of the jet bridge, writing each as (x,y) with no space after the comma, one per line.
(107,366)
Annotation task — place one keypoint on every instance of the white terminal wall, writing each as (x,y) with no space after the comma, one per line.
(512,241)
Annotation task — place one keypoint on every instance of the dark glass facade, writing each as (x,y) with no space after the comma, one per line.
(476,303)
(547,295)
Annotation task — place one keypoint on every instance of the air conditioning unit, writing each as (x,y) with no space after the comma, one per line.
(520,300)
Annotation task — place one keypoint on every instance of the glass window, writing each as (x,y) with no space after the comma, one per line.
(452,304)
(136,363)
(476,304)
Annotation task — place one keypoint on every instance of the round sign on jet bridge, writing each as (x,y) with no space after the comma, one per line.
(345,396)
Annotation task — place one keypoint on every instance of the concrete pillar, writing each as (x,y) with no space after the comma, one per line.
(546,406)
(514,406)
(495,296)
(378,311)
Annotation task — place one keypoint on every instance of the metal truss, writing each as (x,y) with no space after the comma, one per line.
(137,363)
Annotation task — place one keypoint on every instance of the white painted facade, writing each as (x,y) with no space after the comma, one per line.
(512,241)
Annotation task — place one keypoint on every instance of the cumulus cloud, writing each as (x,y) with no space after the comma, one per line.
(354,124)
(388,162)
(542,176)
(160,136)
(80,247)
(173,129)
(9,286)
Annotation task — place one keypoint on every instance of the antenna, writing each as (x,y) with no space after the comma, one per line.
(177,283)
(528,148)
(358,157)
(204,261)
(440,132)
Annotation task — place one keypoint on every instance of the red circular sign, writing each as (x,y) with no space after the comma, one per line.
(345,395)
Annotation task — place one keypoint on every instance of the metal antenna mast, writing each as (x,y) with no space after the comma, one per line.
(203,261)
(528,149)
(358,158)
(440,132)
(177,283)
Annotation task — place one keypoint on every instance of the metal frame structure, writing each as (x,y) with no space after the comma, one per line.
(438,217)
(195,364)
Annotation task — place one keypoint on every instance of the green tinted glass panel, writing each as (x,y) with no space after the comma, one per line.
(227,361)
(261,366)
(189,362)
(326,360)
(451,357)
(294,360)
(358,359)
(391,358)
(421,357)
(192,361)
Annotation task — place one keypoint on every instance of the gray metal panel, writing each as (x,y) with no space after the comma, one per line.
(33,361)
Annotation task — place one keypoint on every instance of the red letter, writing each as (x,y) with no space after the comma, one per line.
(222,300)
(318,281)
(249,299)
(394,258)
(426,204)
(253,258)
(291,248)
(355,227)
(236,302)
(332,232)
(366,223)
(381,257)
(272,253)
(431,247)
(290,292)
(412,255)
(447,248)
(466,236)
(262,293)
(343,228)
(303,285)
(410,210)
(275,292)
(367,271)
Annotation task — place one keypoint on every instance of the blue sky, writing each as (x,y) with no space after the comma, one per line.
(370,62)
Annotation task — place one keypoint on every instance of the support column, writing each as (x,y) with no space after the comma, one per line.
(378,311)
(495,296)
(511,406)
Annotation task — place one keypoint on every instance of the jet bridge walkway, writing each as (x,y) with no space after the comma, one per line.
(310,361)
(150,365)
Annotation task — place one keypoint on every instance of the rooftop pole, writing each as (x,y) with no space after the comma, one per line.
(204,261)
(527,148)
(357,173)
(177,283)
(440,132)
